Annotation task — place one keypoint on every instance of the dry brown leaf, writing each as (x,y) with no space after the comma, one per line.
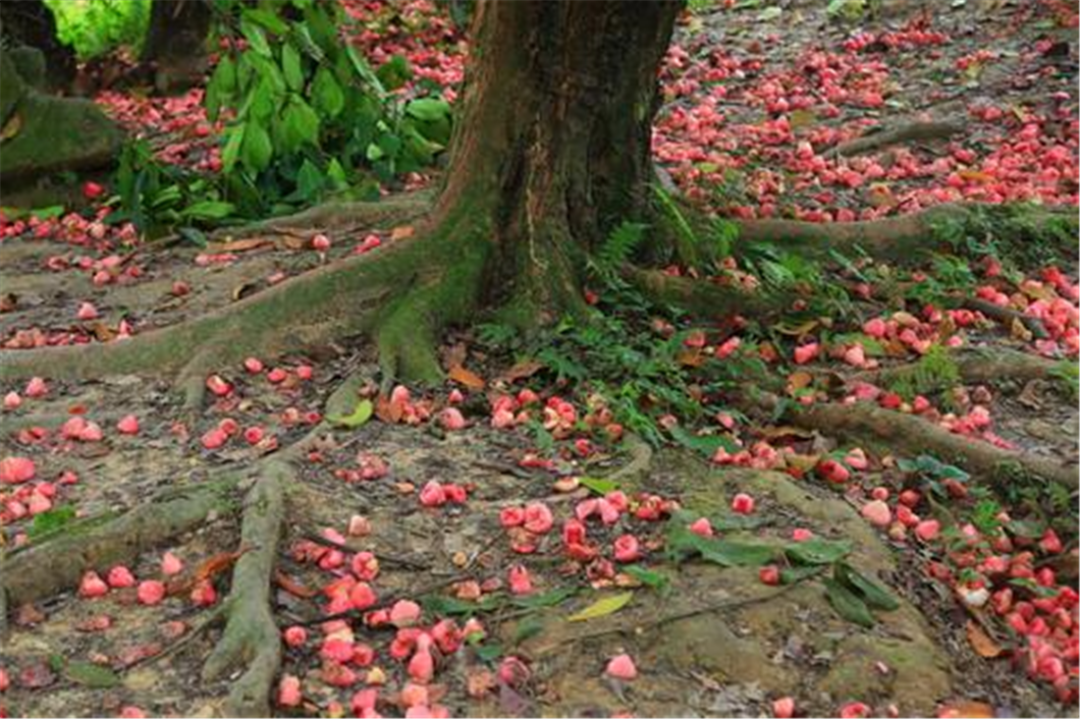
(403,232)
(799,380)
(387,411)
(521,370)
(244,290)
(974,710)
(981,642)
(102,332)
(1019,331)
(242,245)
(8,302)
(691,357)
(466,377)
(292,242)
(785,431)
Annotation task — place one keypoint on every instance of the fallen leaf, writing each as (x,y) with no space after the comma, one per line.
(466,377)
(11,127)
(243,290)
(691,357)
(981,642)
(521,370)
(786,432)
(8,302)
(968,709)
(602,607)
(799,380)
(403,232)
(243,245)
(387,411)
(359,417)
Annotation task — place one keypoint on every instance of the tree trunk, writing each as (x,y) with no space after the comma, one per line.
(176,42)
(29,22)
(553,141)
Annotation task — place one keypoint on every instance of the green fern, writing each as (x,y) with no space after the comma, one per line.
(935,371)
(617,250)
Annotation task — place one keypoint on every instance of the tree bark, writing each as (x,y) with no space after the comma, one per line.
(175,42)
(29,22)
(553,142)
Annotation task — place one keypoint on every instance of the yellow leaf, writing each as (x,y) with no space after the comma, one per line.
(981,642)
(11,127)
(602,607)
(802,118)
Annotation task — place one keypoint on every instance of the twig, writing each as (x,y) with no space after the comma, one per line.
(1007,316)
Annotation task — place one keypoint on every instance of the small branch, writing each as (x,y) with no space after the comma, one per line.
(979,366)
(1007,316)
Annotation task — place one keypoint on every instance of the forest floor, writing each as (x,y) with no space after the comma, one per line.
(478,521)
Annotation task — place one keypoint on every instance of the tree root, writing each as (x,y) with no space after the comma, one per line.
(916,131)
(251,636)
(702,298)
(900,239)
(978,366)
(1008,316)
(339,216)
(917,436)
(57,564)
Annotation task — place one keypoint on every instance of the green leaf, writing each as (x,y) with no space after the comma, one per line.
(602,607)
(703,444)
(598,485)
(91,675)
(546,599)
(257,149)
(489,652)
(256,38)
(394,73)
(359,417)
(648,577)
(326,93)
(847,605)
(51,521)
(192,235)
(309,181)
(429,109)
(301,122)
(290,66)
(817,551)
(364,71)
(231,153)
(872,593)
(794,575)
(728,553)
(208,210)
(267,19)
(441,605)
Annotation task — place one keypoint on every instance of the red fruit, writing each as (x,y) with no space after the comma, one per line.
(12,400)
(433,494)
(783,708)
(253,435)
(538,518)
(320,243)
(877,513)
(204,594)
(128,425)
(362,596)
(217,385)
(295,636)
(304,372)
(910,498)
(833,471)
(405,613)
(214,438)
(92,190)
(769,574)
(180,288)
(289,691)
(421,667)
(36,387)
(1050,542)
(511,517)
(120,577)
(92,586)
(277,375)
(87,311)
(702,527)
(627,549)
(171,564)
(622,667)
(806,353)
(151,592)
(854,710)
(742,504)
(928,530)
(519,579)
(15,470)
(253,365)
(451,419)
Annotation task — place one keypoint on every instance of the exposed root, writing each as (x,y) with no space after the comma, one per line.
(58,563)
(900,239)
(913,435)
(344,294)
(1008,316)
(339,216)
(916,131)
(702,298)
(251,636)
(977,367)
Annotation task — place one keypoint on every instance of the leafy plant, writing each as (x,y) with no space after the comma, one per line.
(935,371)
(94,27)
(305,110)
